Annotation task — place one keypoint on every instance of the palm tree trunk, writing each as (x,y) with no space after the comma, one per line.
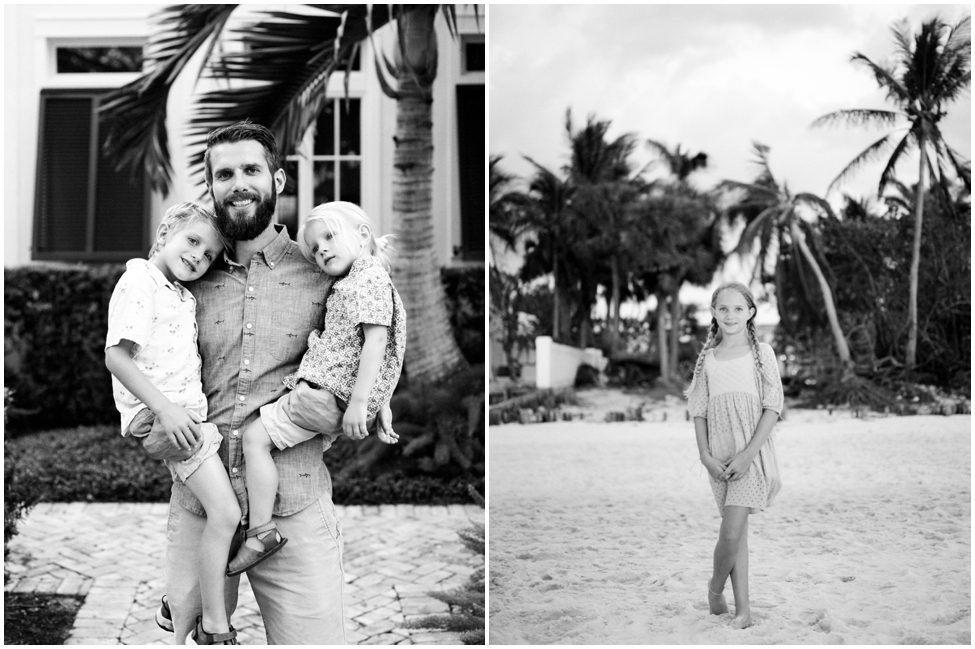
(556,301)
(842,349)
(662,336)
(614,316)
(675,330)
(431,350)
(910,353)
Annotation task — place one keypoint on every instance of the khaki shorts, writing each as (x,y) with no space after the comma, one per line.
(143,427)
(303,413)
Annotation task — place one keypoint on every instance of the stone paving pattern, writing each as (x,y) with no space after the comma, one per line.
(114,553)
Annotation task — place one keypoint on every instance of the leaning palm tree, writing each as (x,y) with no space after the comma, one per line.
(279,79)
(777,222)
(932,69)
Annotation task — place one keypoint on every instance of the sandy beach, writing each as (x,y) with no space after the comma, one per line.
(603,533)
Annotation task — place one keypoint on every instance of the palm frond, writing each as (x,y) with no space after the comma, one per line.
(816,201)
(135,114)
(279,80)
(858,117)
(765,220)
(885,78)
(868,154)
(887,175)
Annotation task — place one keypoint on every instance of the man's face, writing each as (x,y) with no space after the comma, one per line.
(244,190)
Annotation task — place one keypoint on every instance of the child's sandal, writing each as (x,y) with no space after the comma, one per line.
(200,636)
(247,558)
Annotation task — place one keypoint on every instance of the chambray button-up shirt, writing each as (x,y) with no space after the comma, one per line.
(253,325)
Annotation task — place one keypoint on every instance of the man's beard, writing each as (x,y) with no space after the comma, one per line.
(242,228)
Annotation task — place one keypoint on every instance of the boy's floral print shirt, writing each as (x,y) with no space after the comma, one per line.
(365,296)
(159,316)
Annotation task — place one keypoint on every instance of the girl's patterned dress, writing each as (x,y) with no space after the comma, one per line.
(731,394)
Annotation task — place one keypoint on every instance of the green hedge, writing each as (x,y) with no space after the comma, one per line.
(55,320)
(96,464)
(465,289)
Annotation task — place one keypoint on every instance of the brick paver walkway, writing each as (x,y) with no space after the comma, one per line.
(113,554)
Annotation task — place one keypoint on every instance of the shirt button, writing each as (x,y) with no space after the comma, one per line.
(250,288)
(235,432)
(234,470)
(248,325)
(247,361)
(241,397)
(271,264)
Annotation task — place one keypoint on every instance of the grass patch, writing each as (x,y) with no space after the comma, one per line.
(38,619)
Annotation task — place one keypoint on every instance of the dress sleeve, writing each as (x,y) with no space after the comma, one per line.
(697,400)
(772,397)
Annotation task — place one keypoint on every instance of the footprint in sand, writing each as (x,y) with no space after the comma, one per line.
(950,618)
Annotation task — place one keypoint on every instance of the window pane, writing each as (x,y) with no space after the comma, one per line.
(325,130)
(350,183)
(99,59)
(473,56)
(349,126)
(62,184)
(120,210)
(471,157)
(288,199)
(324,182)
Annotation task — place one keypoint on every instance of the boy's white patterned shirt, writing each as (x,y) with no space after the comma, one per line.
(365,296)
(159,316)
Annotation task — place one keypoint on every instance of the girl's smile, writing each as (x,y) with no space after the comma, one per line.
(732,312)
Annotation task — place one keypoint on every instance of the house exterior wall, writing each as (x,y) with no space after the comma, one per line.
(32,31)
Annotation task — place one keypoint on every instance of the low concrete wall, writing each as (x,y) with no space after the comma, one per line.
(556,364)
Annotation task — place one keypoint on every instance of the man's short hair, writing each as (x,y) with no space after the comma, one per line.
(241,132)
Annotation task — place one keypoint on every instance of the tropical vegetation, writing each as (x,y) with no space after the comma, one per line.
(599,232)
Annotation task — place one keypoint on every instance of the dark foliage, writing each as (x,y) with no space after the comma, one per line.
(95,464)
(54,335)
(55,319)
(20,490)
(465,300)
(38,619)
(868,260)
(466,604)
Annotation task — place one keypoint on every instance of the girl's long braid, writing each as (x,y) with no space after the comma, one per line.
(753,339)
(712,341)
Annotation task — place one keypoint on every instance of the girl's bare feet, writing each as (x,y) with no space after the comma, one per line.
(716,602)
(742,621)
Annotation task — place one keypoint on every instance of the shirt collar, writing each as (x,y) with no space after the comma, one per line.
(155,274)
(273,252)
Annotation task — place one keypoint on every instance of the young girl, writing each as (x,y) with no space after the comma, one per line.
(151,352)
(735,398)
(348,373)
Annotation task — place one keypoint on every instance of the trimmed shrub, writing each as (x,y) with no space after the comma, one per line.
(20,491)
(55,320)
(96,464)
(465,299)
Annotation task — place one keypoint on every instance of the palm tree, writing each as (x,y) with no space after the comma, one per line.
(685,244)
(777,223)
(932,69)
(600,172)
(279,80)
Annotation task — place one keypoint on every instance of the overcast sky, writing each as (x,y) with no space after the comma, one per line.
(711,78)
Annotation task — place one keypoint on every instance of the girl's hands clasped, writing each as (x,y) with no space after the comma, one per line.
(714,467)
(738,467)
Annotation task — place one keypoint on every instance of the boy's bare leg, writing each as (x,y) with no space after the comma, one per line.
(209,483)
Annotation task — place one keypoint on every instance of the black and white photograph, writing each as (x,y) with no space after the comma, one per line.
(730,284)
(244,327)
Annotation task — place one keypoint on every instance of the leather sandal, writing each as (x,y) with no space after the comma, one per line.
(164,617)
(200,636)
(247,558)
